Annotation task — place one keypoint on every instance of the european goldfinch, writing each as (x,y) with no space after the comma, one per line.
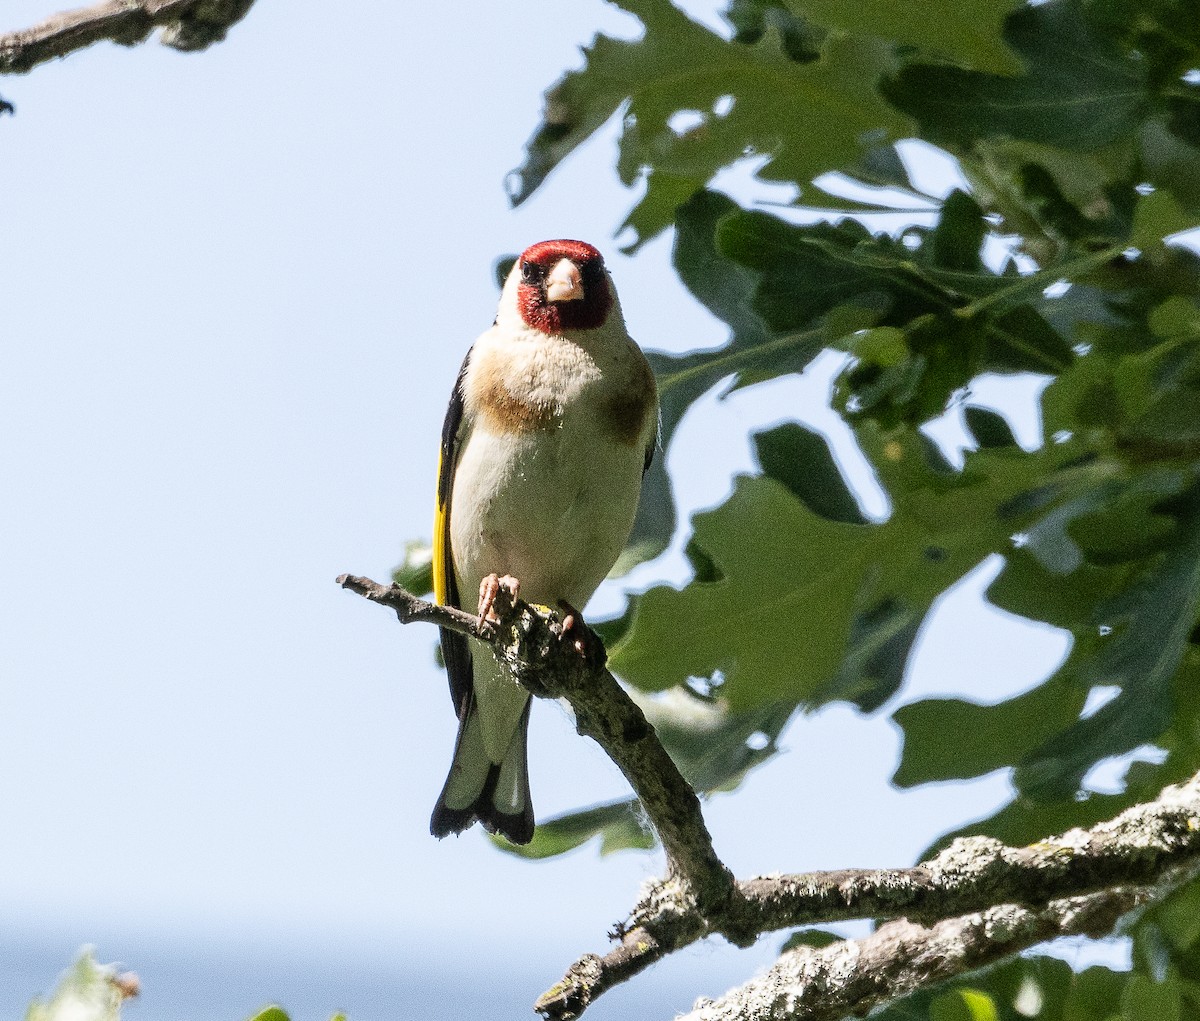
(551,425)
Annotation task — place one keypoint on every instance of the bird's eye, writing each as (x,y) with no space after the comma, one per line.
(532,273)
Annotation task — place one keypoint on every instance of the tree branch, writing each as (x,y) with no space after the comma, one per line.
(853,976)
(530,642)
(980,899)
(186,24)
(1139,847)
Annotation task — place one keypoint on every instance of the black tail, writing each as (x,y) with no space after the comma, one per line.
(516,827)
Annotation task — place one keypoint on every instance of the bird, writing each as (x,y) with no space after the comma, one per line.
(553,421)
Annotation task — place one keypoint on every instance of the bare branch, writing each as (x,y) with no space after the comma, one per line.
(1143,846)
(410,609)
(186,25)
(979,899)
(851,977)
(530,642)
(1138,847)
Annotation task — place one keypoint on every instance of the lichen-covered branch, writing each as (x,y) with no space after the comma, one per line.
(853,976)
(185,24)
(1139,847)
(975,902)
(531,642)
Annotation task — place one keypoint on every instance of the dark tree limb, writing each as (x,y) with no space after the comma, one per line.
(186,24)
(976,901)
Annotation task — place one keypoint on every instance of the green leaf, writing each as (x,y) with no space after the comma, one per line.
(1128,525)
(1056,197)
(1156,216)
(654,523)
(1141,637)
(743,625)
(1095,994)
(679,65)
(989,428)
(951,739)
(1171,163)
(1146,1000)
(945,323)
(964,31)
(914,1007)
(802,462)
(881,640)
(963,1005)
(855,587)
(1175,317)
(1021,339)
(657,210)
(1080,90)
(1019,988)
(618,824)
(415,572)
(502,267)
(725,289)
(271,1013)
(958,238)
(809,271)
(752,19)
(1179,917)
(713,746)
(884,347)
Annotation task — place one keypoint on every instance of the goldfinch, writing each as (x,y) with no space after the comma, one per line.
(551,425)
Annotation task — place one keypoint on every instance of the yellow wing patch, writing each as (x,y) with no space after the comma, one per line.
(440,520)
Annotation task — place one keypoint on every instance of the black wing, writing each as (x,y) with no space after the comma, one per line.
(455,650)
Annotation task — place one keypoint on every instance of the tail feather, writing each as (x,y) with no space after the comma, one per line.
(495,794)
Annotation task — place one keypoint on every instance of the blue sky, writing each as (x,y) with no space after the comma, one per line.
(237,288)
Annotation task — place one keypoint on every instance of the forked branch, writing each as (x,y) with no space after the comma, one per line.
(531,643)
(974,903)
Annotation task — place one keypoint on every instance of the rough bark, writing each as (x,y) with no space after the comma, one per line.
(854,976)
(532,644)
(974,903)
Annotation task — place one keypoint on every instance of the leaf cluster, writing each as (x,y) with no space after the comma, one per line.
(1076,127)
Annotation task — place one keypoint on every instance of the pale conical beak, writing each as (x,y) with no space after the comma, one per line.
(565,282)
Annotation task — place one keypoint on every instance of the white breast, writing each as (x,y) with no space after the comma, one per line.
(551,505)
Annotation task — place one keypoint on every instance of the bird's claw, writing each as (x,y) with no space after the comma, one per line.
(583,639)
(497,590)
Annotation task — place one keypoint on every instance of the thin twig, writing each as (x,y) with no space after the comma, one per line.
(410,609)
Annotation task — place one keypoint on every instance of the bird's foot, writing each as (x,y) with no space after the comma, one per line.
(501,589)
(583,639)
